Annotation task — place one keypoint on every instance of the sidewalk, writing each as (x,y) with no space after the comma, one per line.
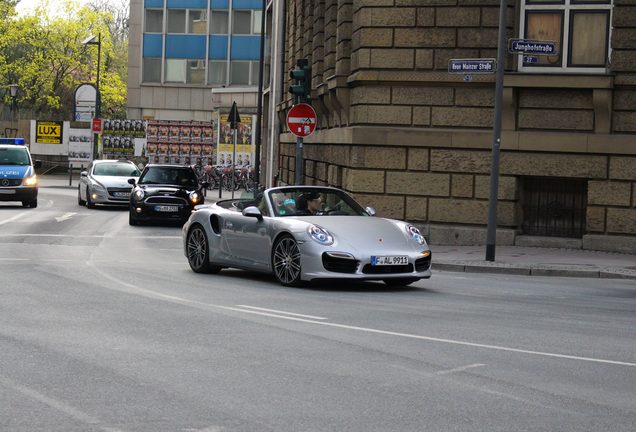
(515,260)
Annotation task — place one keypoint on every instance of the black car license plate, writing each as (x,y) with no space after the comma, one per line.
(167,208)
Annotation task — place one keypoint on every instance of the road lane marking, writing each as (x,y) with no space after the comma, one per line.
(57,405)
(459,369)
(65,217)
(282,312)
(209,306)
(11,219)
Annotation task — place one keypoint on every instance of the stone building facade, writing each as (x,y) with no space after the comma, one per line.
(402,134)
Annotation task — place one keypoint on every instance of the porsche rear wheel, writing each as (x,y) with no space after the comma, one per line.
(286,261)
(198,250)
(400,282)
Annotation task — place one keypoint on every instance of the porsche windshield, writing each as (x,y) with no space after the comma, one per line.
(116,169)
(313,202)
(14,156)
(165,175)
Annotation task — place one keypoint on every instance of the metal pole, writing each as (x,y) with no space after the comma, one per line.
(98,102)
(496,136)
(299,161)
(233,166)
(259,106)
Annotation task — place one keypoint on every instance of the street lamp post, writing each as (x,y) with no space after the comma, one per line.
(13,91)
(98,100)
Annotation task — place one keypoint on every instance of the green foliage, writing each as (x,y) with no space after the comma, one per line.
(43,53)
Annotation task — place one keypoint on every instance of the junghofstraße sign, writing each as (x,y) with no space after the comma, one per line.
(48,132)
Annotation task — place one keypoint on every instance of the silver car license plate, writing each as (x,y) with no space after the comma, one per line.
(167,208)
(383,260)
(7,191)
(121,194)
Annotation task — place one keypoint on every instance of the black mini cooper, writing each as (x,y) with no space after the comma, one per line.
(164,193)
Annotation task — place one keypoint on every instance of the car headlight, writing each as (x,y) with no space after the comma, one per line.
(320,235)
(415,234)
(98,187)
(30,181)
(139,194)
(194,197)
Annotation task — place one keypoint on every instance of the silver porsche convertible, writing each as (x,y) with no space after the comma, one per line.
(304,233)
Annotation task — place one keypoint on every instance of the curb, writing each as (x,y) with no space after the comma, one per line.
(534,271)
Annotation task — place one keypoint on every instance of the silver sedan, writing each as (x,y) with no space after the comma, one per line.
(106,182)
(303,233)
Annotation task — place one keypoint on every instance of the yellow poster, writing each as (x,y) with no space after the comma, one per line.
(48,132)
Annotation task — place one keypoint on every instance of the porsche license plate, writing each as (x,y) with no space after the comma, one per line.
(389,260)
(167,208)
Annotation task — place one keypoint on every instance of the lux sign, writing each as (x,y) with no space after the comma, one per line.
(48,132)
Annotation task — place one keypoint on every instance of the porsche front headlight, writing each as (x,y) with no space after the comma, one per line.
(320,235)
(415,234)
(30,181)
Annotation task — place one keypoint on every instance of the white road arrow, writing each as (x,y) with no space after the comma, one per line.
(66,216)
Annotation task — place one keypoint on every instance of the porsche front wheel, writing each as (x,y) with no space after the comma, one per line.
(286,261)
(198,250)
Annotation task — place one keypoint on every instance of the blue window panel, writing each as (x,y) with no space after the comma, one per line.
(152,45)
(218,47)
(188,4)
(247,4)
(188,47)
(154,4)
(246,47)
(220,4)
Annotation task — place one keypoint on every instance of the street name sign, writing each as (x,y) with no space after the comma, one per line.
(472,66)
(302,120)
(535,47)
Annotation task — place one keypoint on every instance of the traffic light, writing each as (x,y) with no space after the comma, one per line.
(301,86)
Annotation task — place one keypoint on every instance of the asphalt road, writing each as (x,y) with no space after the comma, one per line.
(103,327)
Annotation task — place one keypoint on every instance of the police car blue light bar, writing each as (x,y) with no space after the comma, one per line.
(12,141)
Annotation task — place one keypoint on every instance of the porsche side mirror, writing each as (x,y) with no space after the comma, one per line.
(252,211)
(83,174)
(370,211)
(131,181)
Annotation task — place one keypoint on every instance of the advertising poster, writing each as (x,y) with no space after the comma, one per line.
(118,138)
(244,142)
(48,132)
(180,142)
(80,147)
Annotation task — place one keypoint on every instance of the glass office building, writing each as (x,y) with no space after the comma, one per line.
(189,57)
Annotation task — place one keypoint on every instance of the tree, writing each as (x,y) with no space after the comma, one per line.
(43,53)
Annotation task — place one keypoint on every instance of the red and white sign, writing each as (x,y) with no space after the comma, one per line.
(302,120)
(97,125)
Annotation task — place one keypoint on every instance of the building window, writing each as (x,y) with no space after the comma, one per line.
(219,22)
(256,25)
(196,72)
(244,73)
(241,22)
(175,70)
(217,72)
(580,29)
(154,20)
(152,69)
(176,21)
(197,21)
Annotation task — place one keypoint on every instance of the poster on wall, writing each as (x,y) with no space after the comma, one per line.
(118,138)
(181,142)
(48,132)
(80,147)
(244,142)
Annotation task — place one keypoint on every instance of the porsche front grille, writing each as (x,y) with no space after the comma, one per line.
(339,263)
(422,264)
(389,269)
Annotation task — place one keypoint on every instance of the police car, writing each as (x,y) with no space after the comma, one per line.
(17,173)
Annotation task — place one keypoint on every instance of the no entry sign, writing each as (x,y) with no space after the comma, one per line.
(301,120)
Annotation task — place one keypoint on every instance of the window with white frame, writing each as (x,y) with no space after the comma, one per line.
(217,72)
(152,69)
(243,73)
(154,20)
(193,21)
(219,22)
(197,21)
(580,29)
(246,22)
